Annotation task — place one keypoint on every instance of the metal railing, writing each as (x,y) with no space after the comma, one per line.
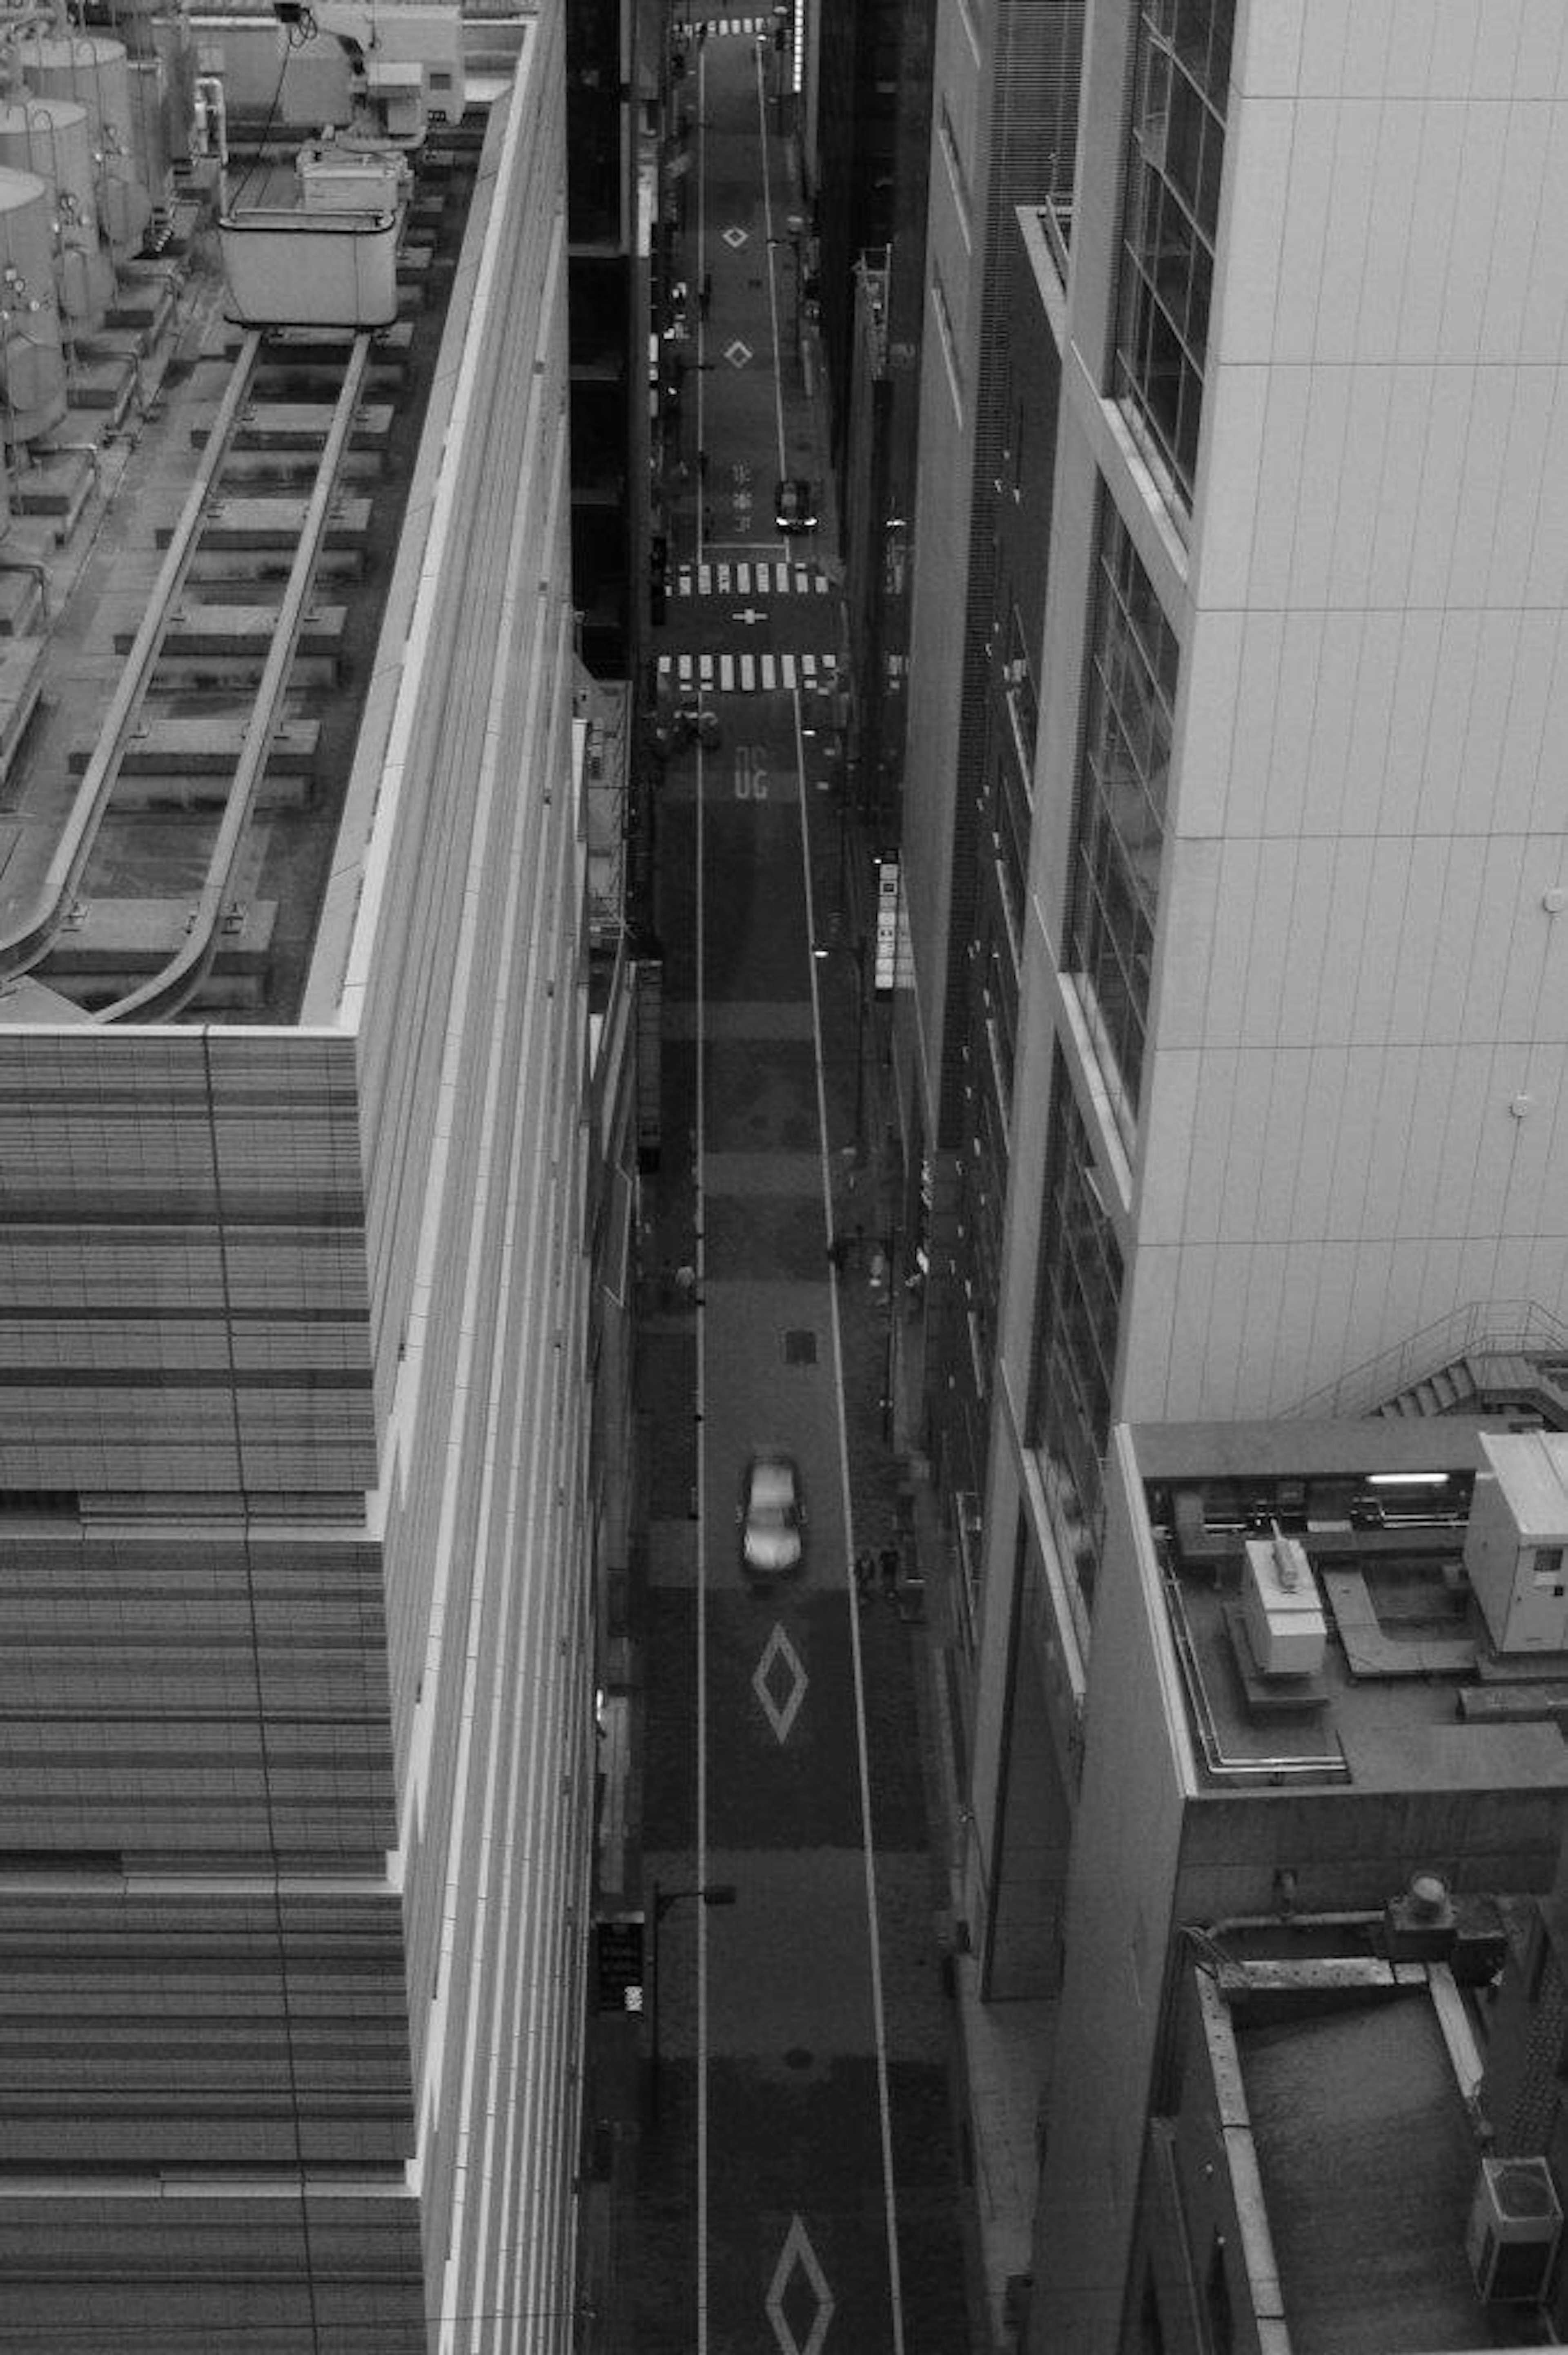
(1499,1327)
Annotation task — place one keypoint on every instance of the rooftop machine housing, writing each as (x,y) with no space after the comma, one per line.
(1516,1548)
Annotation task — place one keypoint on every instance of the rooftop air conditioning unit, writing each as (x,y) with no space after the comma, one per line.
(1511,2239)
(1516,1546)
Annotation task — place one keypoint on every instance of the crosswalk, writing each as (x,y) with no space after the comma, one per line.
(749,579)
(749,674)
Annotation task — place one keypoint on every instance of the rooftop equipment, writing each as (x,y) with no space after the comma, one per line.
(1516,2221)
(1280,1610)
(1516,1547)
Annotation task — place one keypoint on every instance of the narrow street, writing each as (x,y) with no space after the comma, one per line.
(794,2179)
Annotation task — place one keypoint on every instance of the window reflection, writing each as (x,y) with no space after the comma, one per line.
(1080,1309)
(1170,217)
(1120,827)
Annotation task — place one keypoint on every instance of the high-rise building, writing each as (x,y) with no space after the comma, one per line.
(1307,2089)
(296,1574)
(1278,884)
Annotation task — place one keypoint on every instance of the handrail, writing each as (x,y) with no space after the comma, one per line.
(167,991)
(28,940)
(1517,1325)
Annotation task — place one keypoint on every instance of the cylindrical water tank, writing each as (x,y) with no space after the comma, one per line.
(48,137)
(94,72)
(32,364)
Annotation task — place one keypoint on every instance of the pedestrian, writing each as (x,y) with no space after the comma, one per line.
(864,1572)
(887,1562)
(704,294)
(686,1282)
(703,34)
(702,465)
(838,1251)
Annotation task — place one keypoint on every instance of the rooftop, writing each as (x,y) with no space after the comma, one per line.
(122,827)
(1352,2133)
(1319,1586)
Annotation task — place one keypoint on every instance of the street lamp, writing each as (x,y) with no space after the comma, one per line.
(717,1892)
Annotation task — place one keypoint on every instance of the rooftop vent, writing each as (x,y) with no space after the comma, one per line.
(1516,2220)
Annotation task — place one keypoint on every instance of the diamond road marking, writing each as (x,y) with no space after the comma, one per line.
(738,353)
(780,1717)
(798,2251)
(735,239)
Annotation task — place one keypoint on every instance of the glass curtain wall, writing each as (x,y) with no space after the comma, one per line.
(1175,152)
(1120,828)
(1076,1338)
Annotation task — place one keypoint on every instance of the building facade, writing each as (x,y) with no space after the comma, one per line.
(297,1732)
(1288,1067)
(1313,1999)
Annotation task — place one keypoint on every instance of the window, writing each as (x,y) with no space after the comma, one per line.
(1120,826)
(1175,151)
(1078,1316)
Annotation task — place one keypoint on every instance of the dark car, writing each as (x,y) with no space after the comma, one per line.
(794,505)
(771,1515)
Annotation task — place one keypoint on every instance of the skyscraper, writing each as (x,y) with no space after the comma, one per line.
(295,1737)
(1286,1075)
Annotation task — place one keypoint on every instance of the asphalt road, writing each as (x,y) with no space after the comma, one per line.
(800,2183)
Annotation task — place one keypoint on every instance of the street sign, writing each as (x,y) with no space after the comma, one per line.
(884,970)
(619,1962)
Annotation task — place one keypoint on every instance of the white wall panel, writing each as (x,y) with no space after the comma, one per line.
(1409,52)
(1246,1128)
(1210,1145)
(1404,459)
(1469,1091)
(1545,579)
(1266,59)
(1418,940)
(1493,936)
(1169,1127)
(1390,211)
(1444,434)
(1230,947)
(1541,67)
(1305,938)
(1319,492)
(1303,249)
(1355,1121)
(1252,742)
(1282,1142)
(1262,1284)
(1390,793)
(1252,216)
(1516,226)
(1269,942)
(1358,127)
(1346,929)
(1186,950)
(1477,167)
(1205,719)
(1279,470)
(1295,701)
(1359,490)
(1324,32)
(1235,403)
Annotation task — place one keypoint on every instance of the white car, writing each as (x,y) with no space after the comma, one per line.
(771,1516)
